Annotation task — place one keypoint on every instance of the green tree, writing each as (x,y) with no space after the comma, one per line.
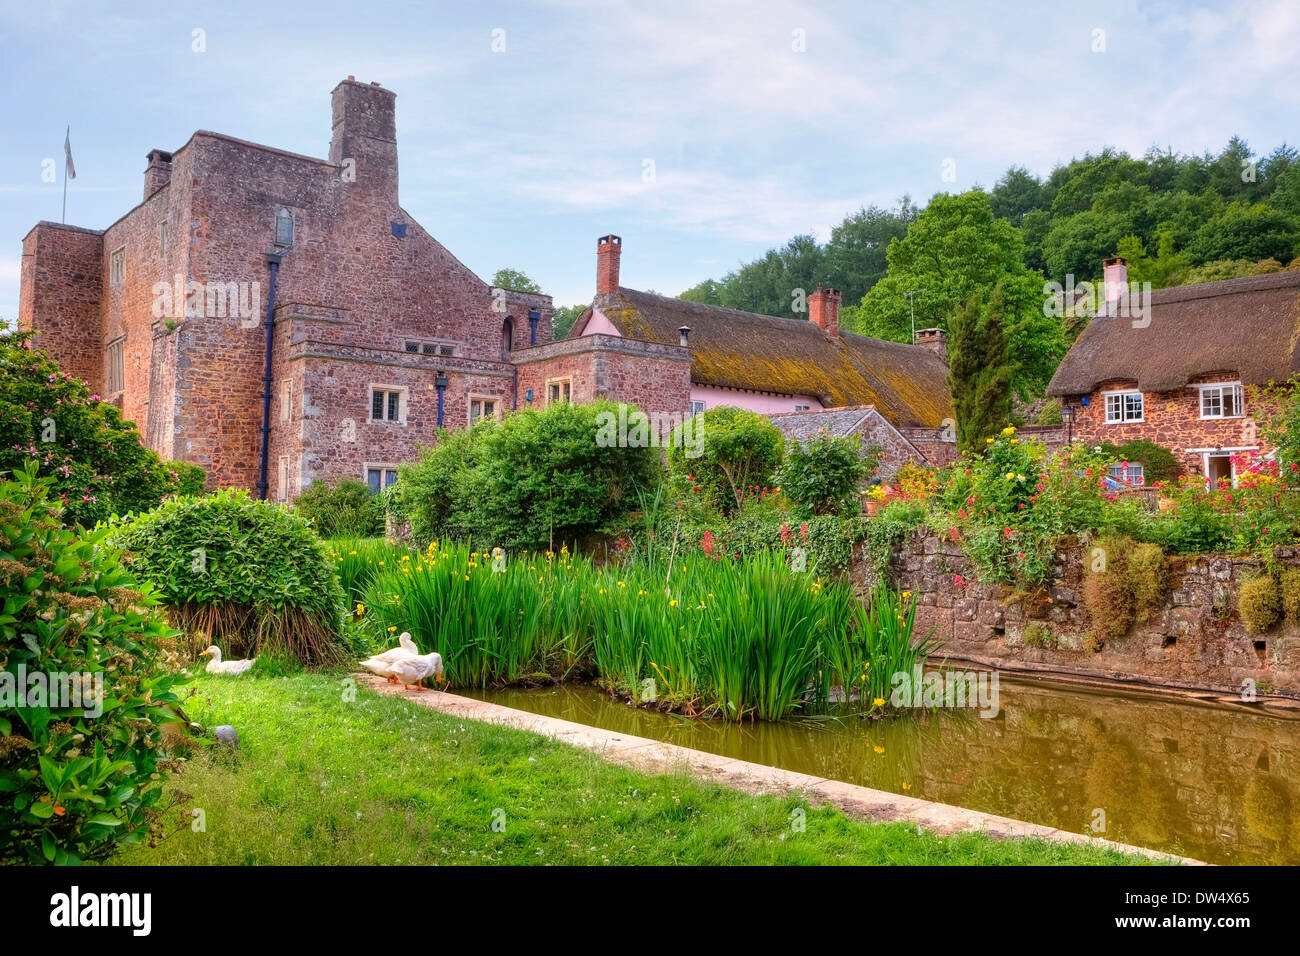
(562,319)
(1246,231)
(979,372)
(96,461)
(739,450)
(856,254)
(516,280)
(822,474)
(956,249)
(1017,194)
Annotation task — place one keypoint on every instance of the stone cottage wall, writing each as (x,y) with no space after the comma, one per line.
(1195,641)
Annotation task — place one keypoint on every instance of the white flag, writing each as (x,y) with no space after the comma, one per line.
(69,169)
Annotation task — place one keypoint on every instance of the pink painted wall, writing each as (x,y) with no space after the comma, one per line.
(712,396)
(598,324)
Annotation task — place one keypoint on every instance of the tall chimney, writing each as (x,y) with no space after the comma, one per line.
(936,340)
(158,173)
(1115,281)
(824,309)
(608,251)
(364,140)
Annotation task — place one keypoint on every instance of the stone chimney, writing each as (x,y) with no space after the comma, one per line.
(608,251)
(936,340)
(1115,281)
(824,309)
(158,173)
(364,142)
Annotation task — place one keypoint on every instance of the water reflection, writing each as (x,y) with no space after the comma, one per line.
(1221,784)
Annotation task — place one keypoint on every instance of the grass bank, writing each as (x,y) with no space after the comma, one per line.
(323,780)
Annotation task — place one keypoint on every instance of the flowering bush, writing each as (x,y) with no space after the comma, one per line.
(821,474)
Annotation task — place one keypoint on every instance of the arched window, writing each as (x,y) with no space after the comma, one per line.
(283,227)
(507,337)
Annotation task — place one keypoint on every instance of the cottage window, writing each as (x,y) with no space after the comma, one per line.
(696,407)
(1124,407)
(387,404)
(559,390)
(802,408)
(480,408)
(116,362)
(117,267)
(1222,401)
(283,227)
(379,477)
(1129,473)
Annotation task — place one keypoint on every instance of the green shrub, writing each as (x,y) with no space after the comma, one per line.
(738,456)
(345,509)
(1039,635)
(247,575)
(890,528)
(822,475)
(1259,603)
(1107,589)
(1050,413)
(1290,585)
(1148,579)
(96,461)
(1158,462)
(186,478)
(538,478)
(76,787)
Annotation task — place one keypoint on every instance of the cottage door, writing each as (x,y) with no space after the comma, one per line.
(1216,467)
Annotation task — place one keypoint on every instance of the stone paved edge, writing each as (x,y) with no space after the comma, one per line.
(653,756)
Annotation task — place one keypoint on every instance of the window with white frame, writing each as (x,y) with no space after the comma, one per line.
(1222,401)
(481,408)
(116,362)
(379,477)
(387,404)
(1129,473)
(802,408)
(1123,407)
(117,267)
(559,390)
(696,407)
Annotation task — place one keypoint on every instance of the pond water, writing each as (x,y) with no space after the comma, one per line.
(1216,782)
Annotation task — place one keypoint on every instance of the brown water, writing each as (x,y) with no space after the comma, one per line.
(1214,782)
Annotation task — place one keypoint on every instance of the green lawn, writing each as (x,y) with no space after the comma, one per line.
(320,780)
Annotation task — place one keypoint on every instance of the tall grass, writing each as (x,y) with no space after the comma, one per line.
(738,640)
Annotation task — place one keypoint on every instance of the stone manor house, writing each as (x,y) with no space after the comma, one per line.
(279,319)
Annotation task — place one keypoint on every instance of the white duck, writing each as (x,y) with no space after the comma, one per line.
(413,670)
(218,666)
(381,664)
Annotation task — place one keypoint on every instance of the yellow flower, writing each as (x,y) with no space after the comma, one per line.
(907,786)
(878,749)
(1011,475)
(391,629)
(863,677)
(988,441)
(1009,430)
(361,609)
(467,577)
(672,603)
(602,591)
(878,702)
(906,595)
(351,552)
(1015,441)
(622,584)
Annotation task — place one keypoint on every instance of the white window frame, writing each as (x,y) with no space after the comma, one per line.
(696,407)
(801,407)
(1123,396)
(1221,387)
(282,214)
(469,406)
(383,467)
(1131,474)
(561,383)
(117,266)
(401,404)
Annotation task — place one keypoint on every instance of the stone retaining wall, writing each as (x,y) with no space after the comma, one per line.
(1194,641)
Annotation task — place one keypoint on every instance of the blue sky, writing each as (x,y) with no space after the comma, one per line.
(522,158)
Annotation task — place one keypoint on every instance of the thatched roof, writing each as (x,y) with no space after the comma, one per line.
(734,349)
(1245,327)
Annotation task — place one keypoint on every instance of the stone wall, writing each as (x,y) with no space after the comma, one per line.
(1194,641)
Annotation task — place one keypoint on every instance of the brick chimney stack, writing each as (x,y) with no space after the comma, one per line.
(824,309)
(1115,281)
(158,173)
(608,251)
(936,340)
(365,132)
